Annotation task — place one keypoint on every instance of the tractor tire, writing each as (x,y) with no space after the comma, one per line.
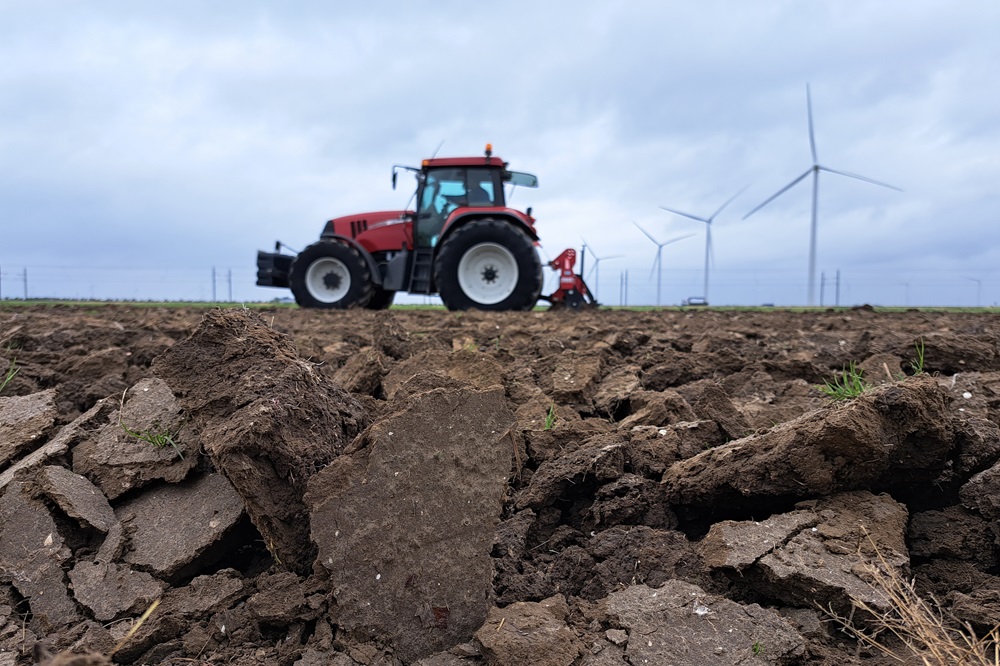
(381,299)
(330,275)
(488,264)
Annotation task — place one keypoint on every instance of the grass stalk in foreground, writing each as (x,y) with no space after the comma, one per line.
(11,373)
(157,439)
(925,632)
(849,384)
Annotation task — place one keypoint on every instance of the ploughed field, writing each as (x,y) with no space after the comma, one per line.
(427,487)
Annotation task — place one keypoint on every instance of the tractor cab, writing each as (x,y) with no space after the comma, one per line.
(442,190)
(445,185)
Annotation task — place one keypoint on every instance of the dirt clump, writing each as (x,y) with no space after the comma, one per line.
(404,520)
(269,420)
(677,624)
(898,433)
(23,420)
(146,441)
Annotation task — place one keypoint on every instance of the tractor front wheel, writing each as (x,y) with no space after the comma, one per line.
(328,274)
(488,264)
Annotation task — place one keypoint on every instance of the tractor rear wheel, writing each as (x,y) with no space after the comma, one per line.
(328,274)
(488,264)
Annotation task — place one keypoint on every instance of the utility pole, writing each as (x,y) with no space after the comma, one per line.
(837,302)
(213,284)
(229,278)
(822,286)
(25,283)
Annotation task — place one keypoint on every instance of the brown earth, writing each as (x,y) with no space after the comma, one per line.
(437,488)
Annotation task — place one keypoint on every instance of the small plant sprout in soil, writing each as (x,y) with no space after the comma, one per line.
(158,438)
(850,384)
(550,418)
(11,372)
(917,363)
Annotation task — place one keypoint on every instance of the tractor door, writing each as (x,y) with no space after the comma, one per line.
(443,190)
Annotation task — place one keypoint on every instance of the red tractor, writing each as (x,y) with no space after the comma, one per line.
(463,242)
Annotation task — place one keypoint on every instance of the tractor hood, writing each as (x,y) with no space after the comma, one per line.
(353,225)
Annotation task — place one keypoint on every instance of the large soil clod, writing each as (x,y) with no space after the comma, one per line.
(127,455)
(404,520)
(23,420)
(900,433)
(32,553)
(679,623)
(269,420)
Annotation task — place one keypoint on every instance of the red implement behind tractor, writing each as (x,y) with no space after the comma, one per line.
(462,242)
(572,292)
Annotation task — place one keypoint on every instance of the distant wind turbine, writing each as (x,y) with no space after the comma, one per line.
(596,270)
(814,170)
(658,262)
(708,231)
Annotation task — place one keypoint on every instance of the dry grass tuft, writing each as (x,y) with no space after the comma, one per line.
(928,635)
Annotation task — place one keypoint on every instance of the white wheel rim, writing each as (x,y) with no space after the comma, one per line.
(328,280)
(487,273)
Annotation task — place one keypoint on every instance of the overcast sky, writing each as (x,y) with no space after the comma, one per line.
(143,144)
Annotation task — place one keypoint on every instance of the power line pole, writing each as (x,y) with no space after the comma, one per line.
(213,284)
(837,302)
(229,278)
(623,288)
(822,286)
(25,283)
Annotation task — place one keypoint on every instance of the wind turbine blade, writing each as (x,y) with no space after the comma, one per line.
(647,233)
(778,193)
(859,177)
(812,138)
(683,214)
(723,206)
(590,250)
(674,240)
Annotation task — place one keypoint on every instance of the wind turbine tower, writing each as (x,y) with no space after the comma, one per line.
(658,262)
(708,232)
(596,270)
(814,170)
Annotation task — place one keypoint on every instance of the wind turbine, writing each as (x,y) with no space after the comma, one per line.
(814,170)
(658,263)
(708,231)
(596,270)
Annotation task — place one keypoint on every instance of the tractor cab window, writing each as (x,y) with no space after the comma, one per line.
(483,187)
(441,191)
